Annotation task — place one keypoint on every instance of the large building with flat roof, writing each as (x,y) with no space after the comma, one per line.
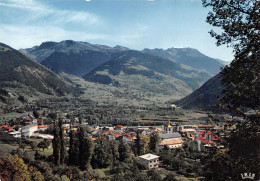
(150,161)
(29,130)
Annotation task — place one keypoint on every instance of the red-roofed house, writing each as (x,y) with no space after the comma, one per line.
(205,127)
(201,133)
(43,127)
(172,143)
(117,135)
(209,135)
(119,128)
(8,128)
(215,139)
(200,138)
(2,126)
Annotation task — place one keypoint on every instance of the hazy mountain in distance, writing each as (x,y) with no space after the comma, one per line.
(203,98)
(190,57)
(72,57)
(19,73)
(75,63)
(135,69)
(67,46)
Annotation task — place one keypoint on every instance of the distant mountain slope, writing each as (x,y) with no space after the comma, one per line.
(190,57)
(75,63)
(72,57)
(19,71)
(203,98)
(147,72)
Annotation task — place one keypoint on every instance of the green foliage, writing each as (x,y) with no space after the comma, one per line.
(63,151)
(86,149)
(154,140)
(114,149)
(36,114)
(81,149)
(182,160)
(33,145)
(58,143)
(14,168)
(239,21)
(125,153)
(52,115)
(138,144)
(73,150)
(22,145)
(154,175)
(44,144)
(170,177)
(102,156)
(126,171)
(35,174)
(86,153)
(218,167)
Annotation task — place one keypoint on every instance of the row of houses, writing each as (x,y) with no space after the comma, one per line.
(19,131)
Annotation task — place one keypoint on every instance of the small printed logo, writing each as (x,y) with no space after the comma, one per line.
(248,175)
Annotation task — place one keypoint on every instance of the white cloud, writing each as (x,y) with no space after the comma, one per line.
(57,16)
(35,23)
(87,0)
(29,36)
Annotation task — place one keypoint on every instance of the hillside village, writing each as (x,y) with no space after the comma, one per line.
(35,132)
(171,135)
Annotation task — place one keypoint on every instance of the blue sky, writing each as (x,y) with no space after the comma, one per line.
(136,24)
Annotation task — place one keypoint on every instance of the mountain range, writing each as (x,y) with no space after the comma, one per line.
(79,58)
(190,57)
(148,72)
(76,58)
(175,71)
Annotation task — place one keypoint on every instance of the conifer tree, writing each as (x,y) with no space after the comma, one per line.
(58,142)
(154,140)
(86,148)
(102,156)
(114,150)
(124,152)
(138,144)
(62,142)
(73,149)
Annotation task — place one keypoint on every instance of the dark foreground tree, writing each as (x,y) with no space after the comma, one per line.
(154,140)
(125,153)
(58,142)
(102,156)
(138,144)
(36,114)
(240,22)
(86,148)
(73,149)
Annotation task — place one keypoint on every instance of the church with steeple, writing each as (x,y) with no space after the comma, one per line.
(170,128)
